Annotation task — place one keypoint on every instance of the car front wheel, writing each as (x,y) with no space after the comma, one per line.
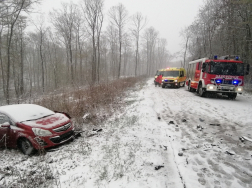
(26,146)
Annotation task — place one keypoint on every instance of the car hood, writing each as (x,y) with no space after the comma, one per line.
(48,122)
(170,78)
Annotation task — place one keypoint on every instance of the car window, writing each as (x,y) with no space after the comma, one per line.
(182,74)
(3,119)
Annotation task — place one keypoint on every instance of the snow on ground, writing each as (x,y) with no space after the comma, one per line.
(164,138)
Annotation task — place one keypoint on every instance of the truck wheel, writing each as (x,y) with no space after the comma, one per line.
(201,91)
(189,87)
(26,146)
(178,86)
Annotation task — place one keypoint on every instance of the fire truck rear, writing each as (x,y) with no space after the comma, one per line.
(224,75)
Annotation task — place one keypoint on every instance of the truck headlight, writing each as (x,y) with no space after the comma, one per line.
(239,89)
(41,132)
(175,80)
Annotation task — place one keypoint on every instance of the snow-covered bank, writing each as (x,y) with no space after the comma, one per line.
(162,139)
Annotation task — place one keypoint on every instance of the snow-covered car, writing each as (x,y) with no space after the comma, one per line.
(32,127)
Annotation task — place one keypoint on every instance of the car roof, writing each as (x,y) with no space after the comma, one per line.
(173,69)
(25,112)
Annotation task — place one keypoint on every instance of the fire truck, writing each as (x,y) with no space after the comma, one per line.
(223,75)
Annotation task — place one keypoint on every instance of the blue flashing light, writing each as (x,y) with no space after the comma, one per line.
(236,57)
(235,82)
(215,57)
(218,81)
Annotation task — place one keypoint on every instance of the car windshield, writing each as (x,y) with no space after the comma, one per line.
(161,72)
(171,73)
(25,112)
(226,68)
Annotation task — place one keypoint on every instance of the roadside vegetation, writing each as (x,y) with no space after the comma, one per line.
(92,104)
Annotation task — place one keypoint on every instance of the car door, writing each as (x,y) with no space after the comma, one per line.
(4,130)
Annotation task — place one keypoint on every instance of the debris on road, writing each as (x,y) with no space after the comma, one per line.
(199,127)
(245,138)
(183,120)
(91,135)
(214,124)
(201,119)
(180,154)
(97,130)
(171,122)
(230,152)
(78,133)
(158,167)
(241,139)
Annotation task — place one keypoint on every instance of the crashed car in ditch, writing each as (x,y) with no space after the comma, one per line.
(31,127)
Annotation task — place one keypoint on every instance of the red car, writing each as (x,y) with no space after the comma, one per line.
(32,127)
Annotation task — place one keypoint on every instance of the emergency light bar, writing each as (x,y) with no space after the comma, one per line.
(227,57)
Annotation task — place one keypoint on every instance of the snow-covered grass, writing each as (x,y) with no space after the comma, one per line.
(160,138)
(96,102)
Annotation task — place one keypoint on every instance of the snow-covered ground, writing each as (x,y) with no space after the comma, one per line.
(164,138)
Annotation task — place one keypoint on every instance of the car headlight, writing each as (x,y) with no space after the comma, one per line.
(41,132)
(175,80)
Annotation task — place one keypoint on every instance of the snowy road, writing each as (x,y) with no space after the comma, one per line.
(213,155)
(136,149)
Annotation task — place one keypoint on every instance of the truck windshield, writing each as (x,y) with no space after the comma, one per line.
(171,73)
(227,68)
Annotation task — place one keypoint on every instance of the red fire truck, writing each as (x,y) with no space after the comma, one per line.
(224,75)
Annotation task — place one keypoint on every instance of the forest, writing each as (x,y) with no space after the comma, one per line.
(78,49)
(221,28)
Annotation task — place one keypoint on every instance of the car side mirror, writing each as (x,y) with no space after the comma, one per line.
(247,69)
(203,67)
(6,125)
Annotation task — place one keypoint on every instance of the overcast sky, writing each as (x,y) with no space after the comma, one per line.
(168,17)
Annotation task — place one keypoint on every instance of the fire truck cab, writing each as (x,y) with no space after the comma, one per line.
(224,75)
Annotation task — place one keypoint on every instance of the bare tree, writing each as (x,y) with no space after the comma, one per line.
(118,15)
(112,36)
(93,11)
(64,22)
(150,37)
(139,22)
(162,53)
(42,29)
